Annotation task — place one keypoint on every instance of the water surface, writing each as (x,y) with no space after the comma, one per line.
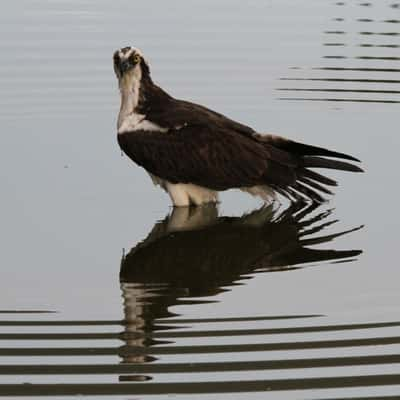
(105,290)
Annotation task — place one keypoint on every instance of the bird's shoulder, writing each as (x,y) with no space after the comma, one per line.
(181,113)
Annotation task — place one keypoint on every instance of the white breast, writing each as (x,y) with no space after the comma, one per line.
(128,119)
(138,122)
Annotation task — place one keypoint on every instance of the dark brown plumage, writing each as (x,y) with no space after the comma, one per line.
(195,145)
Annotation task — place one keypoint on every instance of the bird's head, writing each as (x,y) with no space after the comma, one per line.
(130,65)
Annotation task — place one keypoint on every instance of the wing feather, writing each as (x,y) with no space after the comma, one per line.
(179,113)
(215,158)
(207,149)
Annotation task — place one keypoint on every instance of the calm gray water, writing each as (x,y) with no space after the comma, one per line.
(105,290)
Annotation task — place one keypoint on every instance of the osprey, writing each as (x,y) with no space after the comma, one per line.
(193,152)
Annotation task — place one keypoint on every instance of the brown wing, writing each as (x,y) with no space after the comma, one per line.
(213,157)
(179,112)
(208,149)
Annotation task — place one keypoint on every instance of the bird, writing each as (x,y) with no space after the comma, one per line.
(193,152)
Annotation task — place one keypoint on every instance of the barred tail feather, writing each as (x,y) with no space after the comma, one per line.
(308,150)
(320,162)
(310,185)
(315,176)
(314,185)
(302,149)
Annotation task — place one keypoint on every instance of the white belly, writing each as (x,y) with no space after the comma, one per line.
(186,194)
(263,191)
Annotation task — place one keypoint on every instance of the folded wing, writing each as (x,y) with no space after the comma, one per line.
(221,158)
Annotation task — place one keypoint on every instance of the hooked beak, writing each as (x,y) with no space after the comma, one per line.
(125,66)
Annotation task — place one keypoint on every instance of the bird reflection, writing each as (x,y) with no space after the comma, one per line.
(193,254)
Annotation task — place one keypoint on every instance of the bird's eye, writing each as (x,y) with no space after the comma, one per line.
(136,58)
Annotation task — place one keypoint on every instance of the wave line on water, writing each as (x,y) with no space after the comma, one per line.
(199,387)
(78,369)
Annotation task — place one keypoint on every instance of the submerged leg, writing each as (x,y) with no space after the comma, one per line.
(186,194)
(178,194)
